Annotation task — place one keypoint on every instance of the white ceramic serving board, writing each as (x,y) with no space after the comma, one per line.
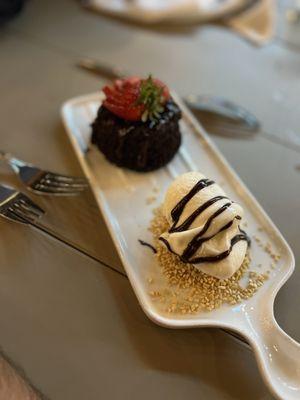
(122,197)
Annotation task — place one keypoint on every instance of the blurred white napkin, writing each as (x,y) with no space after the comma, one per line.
(256,23)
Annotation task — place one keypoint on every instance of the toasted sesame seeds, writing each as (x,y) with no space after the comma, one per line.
(188,290)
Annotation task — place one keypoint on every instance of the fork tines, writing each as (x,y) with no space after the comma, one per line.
(21,209)
(44,182)
(52,183)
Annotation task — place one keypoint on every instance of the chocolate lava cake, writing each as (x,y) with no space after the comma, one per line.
(137,125)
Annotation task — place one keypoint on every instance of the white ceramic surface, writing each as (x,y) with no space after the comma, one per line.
(122,197)
(174,11)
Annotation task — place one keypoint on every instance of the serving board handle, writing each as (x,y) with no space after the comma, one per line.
(277,354)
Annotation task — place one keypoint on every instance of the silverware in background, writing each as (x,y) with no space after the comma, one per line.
(215,107)
(18,207)
(101,69)
(44,182)
(222,108)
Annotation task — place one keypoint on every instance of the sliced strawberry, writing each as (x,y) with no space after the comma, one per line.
(126,99)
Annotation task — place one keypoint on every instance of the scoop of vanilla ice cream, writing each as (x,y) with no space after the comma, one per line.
(219,241)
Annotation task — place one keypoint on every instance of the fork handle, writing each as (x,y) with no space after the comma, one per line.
(101,69)
(13,162)
(3,155)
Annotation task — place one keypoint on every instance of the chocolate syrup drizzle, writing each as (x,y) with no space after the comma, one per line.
(186,224)
(178,209)
(143,243)
(198,240)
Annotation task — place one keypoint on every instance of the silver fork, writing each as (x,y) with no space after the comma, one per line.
(44,182)
(18,207)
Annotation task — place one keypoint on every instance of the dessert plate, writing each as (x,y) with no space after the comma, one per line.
(169,11)
(124,196)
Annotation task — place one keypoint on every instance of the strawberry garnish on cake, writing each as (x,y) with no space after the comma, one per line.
(136,99)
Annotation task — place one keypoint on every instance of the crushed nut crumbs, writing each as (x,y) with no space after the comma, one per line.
(267,248)
(188,290)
